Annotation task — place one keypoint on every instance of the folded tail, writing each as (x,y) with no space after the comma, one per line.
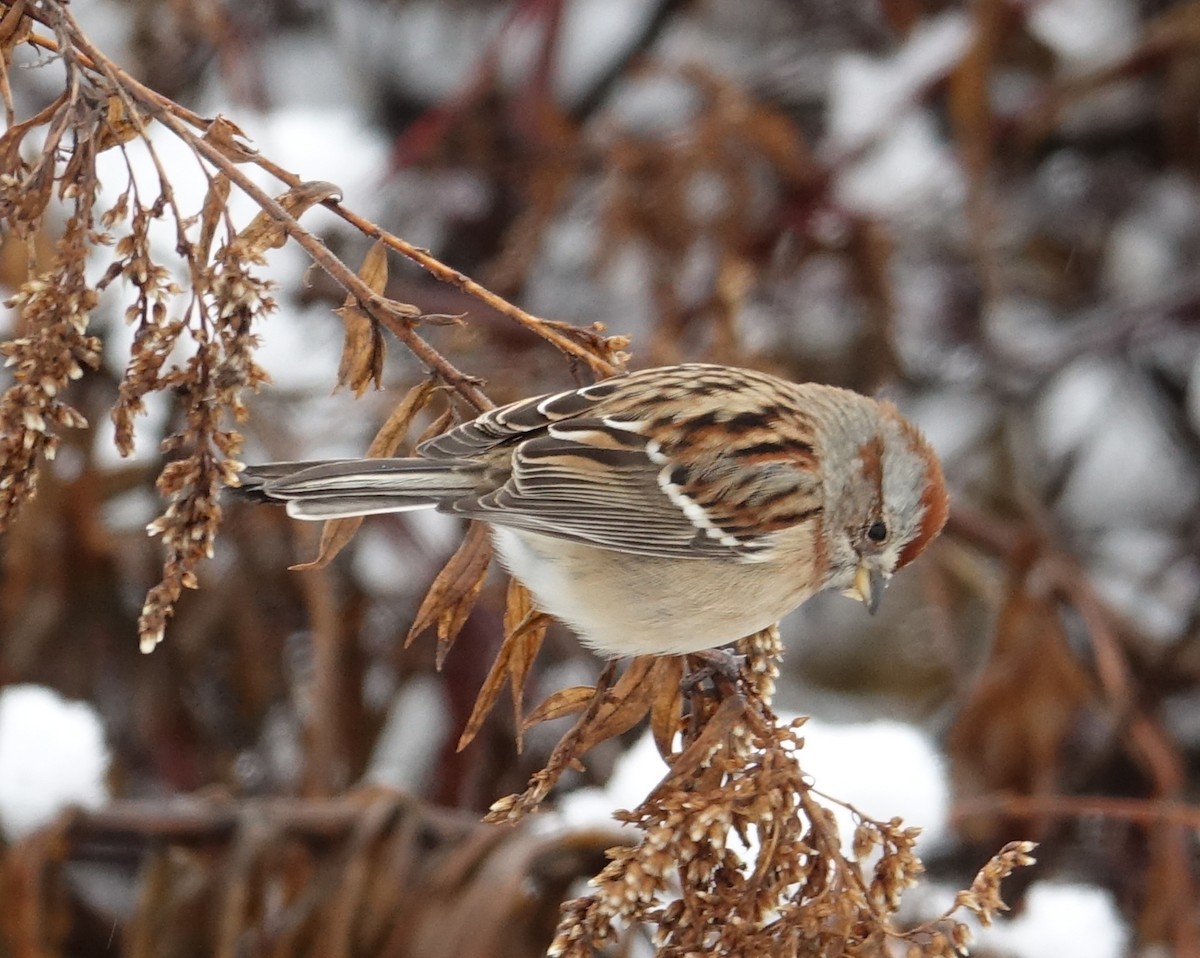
(335,488)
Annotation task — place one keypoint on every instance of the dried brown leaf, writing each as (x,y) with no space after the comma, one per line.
(624,705)
(36,195)
(120,126)
(338,532)
(607,711)
(684,766)
(452,596)
(666,704)
(215,201)
(485,701)
(524,630)
(438,426)
(392,433)
(266,232)
(363,348)
(335,536)
(566,754)
(228,137)
(1013,731)
(374,269)
(443,319)
(564,702)
(10,139)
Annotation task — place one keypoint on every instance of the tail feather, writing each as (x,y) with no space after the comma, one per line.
(255,478)
(358,487)
(340,507)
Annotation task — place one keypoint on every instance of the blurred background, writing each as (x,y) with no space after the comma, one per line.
(987,212)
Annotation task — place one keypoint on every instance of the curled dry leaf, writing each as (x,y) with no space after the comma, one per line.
(654,685)
(392,432)
(713,735)
(35,192)
(439,425)
(666,704)
(363,348)
(12,138)
(215,202)
(452,596)
(524,630)
(569,701)
(336,533)
(625,705)
(120,124)
(443,319)
(228,137)
(266,232)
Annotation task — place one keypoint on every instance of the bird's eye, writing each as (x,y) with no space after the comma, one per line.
(877,532)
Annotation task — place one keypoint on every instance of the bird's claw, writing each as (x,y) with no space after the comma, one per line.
(717,665)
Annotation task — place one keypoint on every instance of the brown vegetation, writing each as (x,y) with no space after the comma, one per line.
(734,852)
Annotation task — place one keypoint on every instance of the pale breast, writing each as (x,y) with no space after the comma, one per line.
(622,604)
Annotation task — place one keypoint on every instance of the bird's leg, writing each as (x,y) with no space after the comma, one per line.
(720,665)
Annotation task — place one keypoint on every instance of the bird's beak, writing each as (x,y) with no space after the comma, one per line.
(868,587)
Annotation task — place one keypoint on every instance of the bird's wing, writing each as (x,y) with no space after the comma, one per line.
(600,481)
(507,424)
(608,465)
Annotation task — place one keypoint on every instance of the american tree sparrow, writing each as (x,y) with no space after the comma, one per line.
(669,510)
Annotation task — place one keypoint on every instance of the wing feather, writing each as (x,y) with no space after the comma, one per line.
(598,465)
(595,483)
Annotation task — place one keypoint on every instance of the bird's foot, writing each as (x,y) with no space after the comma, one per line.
(719,666)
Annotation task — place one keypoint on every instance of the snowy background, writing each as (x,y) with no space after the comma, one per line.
(988,213)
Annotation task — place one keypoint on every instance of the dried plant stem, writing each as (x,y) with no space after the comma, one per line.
(376,305)
(201,821)
(325,769)
(1141,811)
(583,345)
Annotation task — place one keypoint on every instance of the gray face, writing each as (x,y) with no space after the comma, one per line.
(874,494)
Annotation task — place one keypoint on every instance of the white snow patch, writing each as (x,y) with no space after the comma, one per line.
(906,166)
(593,34)
(1150,247)
(384,562)
(1025,328)
(335,144)
(1126,467)
(954,421)
(1141,572)
(1059,921)
(884,769)
(910,171)
(1085,33)
(653,105)
(300,350)
(52,756)
(867,94)
(417,726)
(429,47)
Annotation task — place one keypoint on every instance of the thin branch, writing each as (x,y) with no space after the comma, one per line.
(1139,811)
(586,345)
(198,822)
